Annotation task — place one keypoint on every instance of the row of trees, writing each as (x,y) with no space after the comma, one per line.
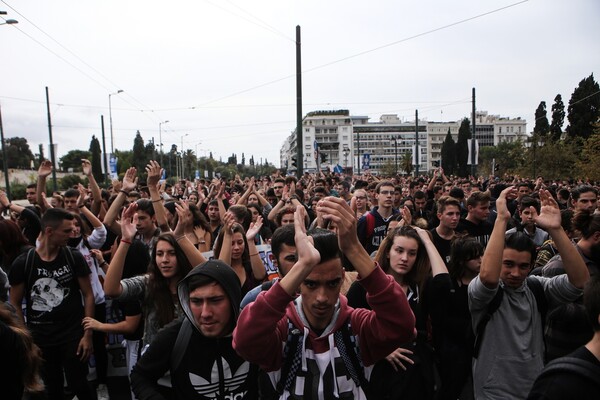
(142,153)
(550,151)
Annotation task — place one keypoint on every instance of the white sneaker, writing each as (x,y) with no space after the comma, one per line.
(102,392)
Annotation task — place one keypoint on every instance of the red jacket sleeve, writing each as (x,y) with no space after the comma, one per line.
(262,329)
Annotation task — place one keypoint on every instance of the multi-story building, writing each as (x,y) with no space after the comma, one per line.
(348,142)
(387,142)
(490,130)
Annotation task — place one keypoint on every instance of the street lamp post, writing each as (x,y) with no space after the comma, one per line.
(112,138)
(396,155)
(346,151)
(182,156)
(197,158)
(160,140)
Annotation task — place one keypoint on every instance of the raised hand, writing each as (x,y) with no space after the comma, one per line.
(501,206)
(406,216)
(86,166)
(228,221)
(254,228)
(130,179)
(82,196)
(339,211)
(45,169)
(549,217)
(3,199)
(308,256)
(128,229)
(184,218)
(154,173)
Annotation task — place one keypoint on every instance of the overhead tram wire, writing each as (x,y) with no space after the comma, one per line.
(361,53)
(148,109)
(144,106)
(265,25)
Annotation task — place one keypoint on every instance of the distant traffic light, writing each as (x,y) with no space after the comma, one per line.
(294,162)
(496,167)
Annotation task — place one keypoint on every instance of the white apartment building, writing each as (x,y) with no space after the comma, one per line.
(348,141)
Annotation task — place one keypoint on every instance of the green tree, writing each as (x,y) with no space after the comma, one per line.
(584,108)
(388,168)
(40,155)
(18,153)
(462,150)
(96,159)
(542,127)
(171,161)
(509,158)
(558,118)
(553,160)
(406,163)
(140,157)
(449,154)
(73,159)
(589,161)
(124,160)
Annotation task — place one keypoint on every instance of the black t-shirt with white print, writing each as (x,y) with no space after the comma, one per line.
(54,301)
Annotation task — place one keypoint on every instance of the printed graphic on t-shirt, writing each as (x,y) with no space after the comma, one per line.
(210,388)
(46,294)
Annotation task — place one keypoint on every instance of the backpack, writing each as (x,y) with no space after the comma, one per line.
(575,366)
(370,219)
(68,252)
(538,292)
(292,359)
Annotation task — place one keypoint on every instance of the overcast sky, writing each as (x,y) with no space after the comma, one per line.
(222,71)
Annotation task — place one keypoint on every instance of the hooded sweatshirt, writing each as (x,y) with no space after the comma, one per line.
(209,367)
(263,329)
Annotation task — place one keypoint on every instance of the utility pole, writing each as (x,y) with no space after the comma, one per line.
(106,171)
(5,159)
(417,158)
(299,146)
(52,155)
(473,147)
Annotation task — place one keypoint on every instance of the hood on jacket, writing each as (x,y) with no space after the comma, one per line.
(225,276)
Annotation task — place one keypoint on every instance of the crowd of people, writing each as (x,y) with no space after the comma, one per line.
(432,287)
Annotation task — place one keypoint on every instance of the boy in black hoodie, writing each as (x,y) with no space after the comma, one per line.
(197,349)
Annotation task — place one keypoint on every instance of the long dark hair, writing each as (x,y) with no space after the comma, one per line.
(237,228)
(12,241)
(421,268)
(463,250)
(158,293)
(31,357)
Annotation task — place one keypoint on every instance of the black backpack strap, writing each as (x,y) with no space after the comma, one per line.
(29,267)
(291,358)
(537,288)
(181,343)
(491,309)
(576,366)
